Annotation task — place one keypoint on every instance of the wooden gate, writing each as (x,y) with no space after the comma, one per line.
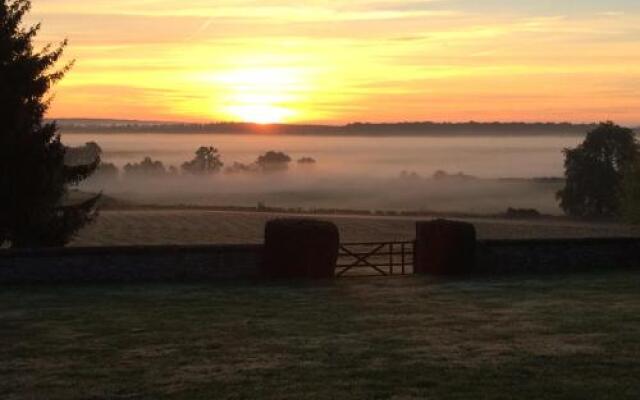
(377,258)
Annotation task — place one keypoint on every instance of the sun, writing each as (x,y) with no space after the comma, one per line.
(262,95)
(260,113)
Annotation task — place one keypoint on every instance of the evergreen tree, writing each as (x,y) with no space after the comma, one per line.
(34,180)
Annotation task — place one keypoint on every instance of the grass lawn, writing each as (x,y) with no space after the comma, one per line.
(568,337)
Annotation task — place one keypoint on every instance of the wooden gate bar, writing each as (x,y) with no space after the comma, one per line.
(402,257)
(352,256)
(390,258)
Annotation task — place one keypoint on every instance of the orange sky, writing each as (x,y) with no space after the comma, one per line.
(340,61)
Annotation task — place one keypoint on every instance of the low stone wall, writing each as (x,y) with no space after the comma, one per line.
(131,264)
(235,262)
(556,255)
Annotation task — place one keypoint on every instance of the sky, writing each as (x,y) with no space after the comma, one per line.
(328,61)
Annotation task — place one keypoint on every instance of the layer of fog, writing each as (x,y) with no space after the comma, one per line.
(353,173)
(482,156)
(297,189)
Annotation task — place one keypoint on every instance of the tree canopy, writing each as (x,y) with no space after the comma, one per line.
(145,169)
(630,200)
(595,170)
(34,207)
(273,161)
(206,161)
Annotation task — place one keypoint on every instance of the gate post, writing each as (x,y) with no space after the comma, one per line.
(300,248)
(444,247)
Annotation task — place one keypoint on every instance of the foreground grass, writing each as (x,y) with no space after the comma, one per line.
(571,337)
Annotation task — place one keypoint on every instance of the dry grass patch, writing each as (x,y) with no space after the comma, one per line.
(206,227)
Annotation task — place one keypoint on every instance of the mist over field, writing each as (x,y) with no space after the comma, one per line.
(478,174)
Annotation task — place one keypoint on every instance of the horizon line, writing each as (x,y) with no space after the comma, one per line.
(337,125)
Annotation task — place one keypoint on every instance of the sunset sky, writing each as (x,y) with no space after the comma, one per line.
(339,61)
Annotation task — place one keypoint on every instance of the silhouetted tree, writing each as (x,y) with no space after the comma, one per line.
(273,161)
(441,175)
(147,168)
(206,161)
(106,172)
(594,171)
(630,198)
(409,176)
(306,161)
(238,167)
(34,179)
(82,155)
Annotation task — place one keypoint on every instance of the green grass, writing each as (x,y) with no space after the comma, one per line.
(570,337)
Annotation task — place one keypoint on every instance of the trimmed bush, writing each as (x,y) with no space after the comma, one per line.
(445,247)
(300,248)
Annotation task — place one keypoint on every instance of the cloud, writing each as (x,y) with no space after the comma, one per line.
(273,10)
(356,52)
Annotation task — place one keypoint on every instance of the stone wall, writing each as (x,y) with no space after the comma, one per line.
(556,255)
(235,262)
(131,264)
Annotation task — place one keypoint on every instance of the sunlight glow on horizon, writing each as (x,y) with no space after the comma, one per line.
(334,61)
(262,95)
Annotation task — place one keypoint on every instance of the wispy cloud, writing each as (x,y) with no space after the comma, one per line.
(404,59)
(272,10)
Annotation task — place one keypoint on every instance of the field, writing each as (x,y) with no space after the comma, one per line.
(203,227)
(571,337)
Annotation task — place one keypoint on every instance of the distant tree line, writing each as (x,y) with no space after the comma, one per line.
(207,161)
(439,175)
(471,128)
